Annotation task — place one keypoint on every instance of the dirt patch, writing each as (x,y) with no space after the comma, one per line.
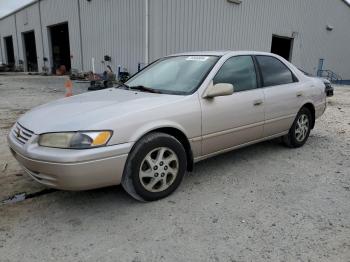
(260,203)
(9,117)
(18,94)
(23,196)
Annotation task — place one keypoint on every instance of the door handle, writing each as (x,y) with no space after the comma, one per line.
(258,102)
(300,94)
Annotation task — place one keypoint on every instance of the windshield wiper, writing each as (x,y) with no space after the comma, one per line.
(144,88)
(140,87)
(123,85)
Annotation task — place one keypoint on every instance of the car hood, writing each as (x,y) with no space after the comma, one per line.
(91,110)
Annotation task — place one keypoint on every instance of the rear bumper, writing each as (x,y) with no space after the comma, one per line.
(71,169)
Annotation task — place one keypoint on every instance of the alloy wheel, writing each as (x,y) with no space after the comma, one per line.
(159,169)
(302,127)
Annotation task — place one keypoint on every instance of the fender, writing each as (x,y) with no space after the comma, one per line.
(149,127)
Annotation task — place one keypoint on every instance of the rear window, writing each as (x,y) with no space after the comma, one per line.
(274,72)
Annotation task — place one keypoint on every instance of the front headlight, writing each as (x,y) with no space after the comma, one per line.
(75,140)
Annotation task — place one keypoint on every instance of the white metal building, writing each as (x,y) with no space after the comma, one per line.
(313,34)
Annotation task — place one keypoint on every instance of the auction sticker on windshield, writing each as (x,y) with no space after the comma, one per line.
(197,58)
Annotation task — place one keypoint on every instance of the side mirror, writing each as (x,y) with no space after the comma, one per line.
(221,89)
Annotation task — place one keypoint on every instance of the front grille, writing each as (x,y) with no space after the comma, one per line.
(21,133)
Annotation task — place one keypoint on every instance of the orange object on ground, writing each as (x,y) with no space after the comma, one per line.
(69,88)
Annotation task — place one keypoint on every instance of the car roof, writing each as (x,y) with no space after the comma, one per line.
(229,53)
(222,53)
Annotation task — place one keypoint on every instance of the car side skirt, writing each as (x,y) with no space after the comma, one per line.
(198,159)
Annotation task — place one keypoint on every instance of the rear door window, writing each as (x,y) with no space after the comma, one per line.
(274,72)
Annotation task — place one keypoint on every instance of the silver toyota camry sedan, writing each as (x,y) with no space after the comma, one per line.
(147,133)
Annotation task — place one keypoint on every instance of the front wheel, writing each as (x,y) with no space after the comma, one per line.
(155,167)
(300,130)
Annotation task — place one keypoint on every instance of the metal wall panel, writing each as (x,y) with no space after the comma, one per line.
(59,11)
(7,28)
(114,28)
(28,20)
(2,60)
(117,28)
(186,25)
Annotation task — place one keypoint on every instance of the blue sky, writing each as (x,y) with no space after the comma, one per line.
(7,6)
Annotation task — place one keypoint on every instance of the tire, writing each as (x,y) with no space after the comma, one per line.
(300,130)
(155,167)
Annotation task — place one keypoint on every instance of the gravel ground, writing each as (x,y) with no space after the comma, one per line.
(18,94)
(260,203)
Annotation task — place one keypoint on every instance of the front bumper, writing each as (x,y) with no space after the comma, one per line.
(69,169)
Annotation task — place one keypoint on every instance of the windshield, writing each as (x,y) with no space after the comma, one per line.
(175,75)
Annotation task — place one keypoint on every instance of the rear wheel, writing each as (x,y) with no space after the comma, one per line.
(155,167)
(300,130)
